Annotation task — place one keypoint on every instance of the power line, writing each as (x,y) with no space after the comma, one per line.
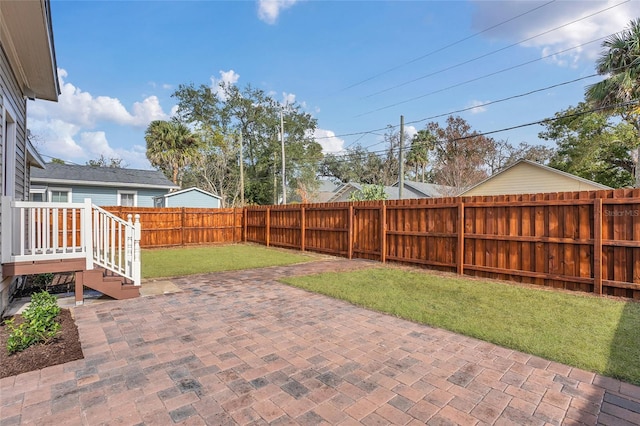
(494,52)
(363,133)
(518,126)
(479,78)
(440,49)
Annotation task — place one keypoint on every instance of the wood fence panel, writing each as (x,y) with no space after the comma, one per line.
(327,228)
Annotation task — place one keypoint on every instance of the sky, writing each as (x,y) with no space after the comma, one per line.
(356,66)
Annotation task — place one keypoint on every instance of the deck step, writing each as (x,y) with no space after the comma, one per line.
(111,285)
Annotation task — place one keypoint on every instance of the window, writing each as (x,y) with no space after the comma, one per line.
(127,198)
(37,194)
(60,195)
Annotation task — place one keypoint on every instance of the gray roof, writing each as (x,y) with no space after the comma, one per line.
(429,189)
(62,174)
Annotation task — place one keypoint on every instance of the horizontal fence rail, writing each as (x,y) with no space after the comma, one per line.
(586,241)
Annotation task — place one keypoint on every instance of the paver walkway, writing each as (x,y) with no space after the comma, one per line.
(240,348)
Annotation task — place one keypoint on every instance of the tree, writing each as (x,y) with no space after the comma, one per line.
(102,161)
(620,90)
(356,165)
(171,146)
(592,146)
(422,144)
(255,115)
(369,193)
(460,153)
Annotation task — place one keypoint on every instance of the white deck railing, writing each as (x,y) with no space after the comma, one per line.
(35,231)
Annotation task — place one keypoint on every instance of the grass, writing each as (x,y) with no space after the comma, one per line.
(595,334)
(173,262)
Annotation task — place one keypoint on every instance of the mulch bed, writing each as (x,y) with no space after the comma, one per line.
(63,348)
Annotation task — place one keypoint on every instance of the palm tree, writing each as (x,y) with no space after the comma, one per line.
(170,146)
(620,90)
(423,142)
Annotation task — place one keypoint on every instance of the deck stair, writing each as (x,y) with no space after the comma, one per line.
(102,249)
(106,282)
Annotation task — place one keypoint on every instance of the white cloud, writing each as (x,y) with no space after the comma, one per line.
(226,77)
(269,10)
(410,132)
(81,108)
(539,26)
(477,106)
(75,128)
(288,98)
(328,140)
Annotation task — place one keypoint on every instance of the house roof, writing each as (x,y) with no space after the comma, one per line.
(26,35)
(65,174)
(542,167)
(428,189)
(193,189)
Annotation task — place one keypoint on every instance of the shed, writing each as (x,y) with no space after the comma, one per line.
(190,197)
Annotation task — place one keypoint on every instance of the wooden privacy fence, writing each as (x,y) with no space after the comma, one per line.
(587,241)
(181,226)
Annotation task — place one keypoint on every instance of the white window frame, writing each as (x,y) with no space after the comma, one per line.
(135,197)
(9,142)
(42,191)
(67,190)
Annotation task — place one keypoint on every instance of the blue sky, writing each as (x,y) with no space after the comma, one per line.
(354,65)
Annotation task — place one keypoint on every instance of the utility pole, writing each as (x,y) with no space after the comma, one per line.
(241,172)
(284,178)
(401,172)
(275,179)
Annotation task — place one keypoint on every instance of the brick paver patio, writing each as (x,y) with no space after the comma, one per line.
(240,348)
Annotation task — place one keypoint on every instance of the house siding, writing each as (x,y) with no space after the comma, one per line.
(11,96)
(528,179)
(192,199)
(102,196)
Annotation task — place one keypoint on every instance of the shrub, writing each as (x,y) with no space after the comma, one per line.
(39,323)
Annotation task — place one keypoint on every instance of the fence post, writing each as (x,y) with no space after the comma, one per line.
(460,259)
(182,226)
(244,220)
(383,232)
(267,226)
(302,230)
(597,246)
(350,232)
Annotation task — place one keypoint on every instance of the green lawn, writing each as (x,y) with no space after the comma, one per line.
(173,262)
(596,334)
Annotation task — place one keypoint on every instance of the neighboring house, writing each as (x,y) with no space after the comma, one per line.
(190,197)
(326,190)
(528,177)
(105,186)
(414,189)
(27,71)
(411,190)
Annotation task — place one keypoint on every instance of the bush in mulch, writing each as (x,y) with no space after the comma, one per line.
(64,347)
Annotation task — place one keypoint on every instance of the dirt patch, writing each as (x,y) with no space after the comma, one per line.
(63,348)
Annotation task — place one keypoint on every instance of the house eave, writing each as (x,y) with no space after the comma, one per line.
(26,36)
(100,183)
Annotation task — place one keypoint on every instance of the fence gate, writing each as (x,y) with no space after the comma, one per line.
(367,231)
